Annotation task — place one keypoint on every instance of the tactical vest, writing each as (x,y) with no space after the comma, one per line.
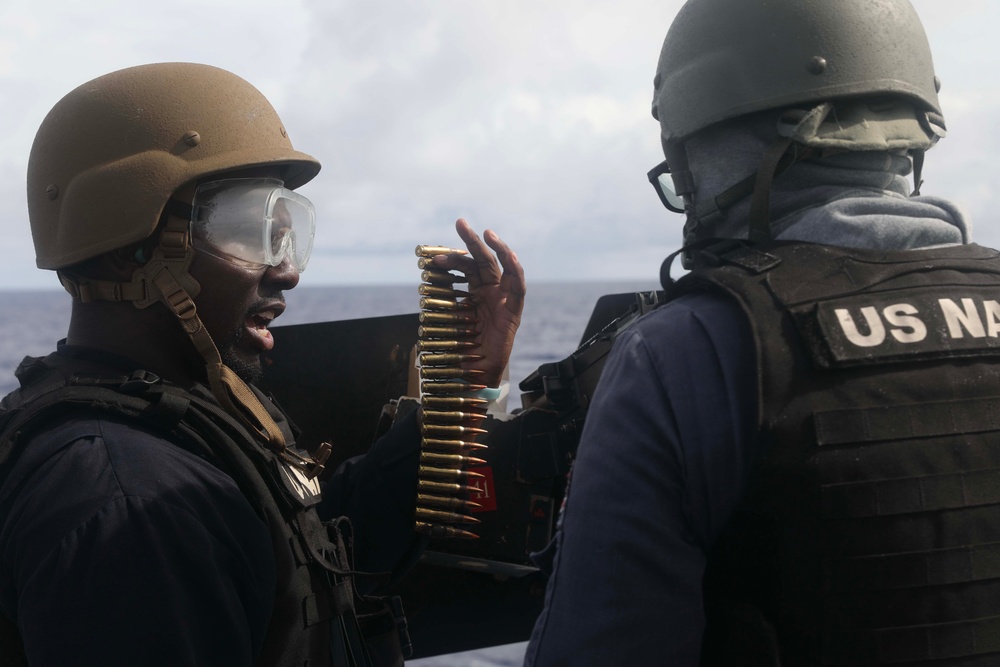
(318,616)
(870,534)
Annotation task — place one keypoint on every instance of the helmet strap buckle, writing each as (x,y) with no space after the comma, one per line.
(233,394)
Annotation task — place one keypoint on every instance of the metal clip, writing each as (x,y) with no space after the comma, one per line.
(138,382)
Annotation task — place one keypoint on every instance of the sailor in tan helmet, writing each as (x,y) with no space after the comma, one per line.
(155,509)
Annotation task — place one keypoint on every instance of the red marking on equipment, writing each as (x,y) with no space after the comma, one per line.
(486,495)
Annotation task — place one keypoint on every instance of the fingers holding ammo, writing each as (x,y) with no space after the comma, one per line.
(512,281)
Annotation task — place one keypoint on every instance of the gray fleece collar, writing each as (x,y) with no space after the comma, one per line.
(851,199)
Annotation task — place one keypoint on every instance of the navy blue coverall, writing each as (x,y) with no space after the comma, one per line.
(663,461)
(119,547)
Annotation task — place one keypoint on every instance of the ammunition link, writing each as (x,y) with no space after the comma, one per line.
(451,417)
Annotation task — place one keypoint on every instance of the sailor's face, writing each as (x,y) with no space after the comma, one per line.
(237,304)
(238,300)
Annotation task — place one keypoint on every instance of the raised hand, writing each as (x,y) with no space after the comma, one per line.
(497,289)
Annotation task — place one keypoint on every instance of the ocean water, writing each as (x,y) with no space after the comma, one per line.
(554,319)
(555,316)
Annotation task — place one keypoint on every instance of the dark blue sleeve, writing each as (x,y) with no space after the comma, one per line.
(661,465)
(377,492)
(119,548)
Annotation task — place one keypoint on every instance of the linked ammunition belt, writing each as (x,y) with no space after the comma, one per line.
(452,415)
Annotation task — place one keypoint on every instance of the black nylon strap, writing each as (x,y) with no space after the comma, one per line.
(902,422)
(312,612)
(760,228)
(316,609)
(918,170)
(910,644)
(916,569)
(208,428)
(170,409)
(343,598)
(888,497)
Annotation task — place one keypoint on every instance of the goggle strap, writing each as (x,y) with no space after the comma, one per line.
(232,393)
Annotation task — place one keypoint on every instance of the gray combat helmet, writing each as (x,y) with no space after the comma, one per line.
(724,59)
(727,58)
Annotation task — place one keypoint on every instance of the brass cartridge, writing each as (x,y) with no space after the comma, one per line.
(449,430)
(452,402)
(449,373)
(430,303)
(446,345)
(430,317)
(441,292)
(424,514)
(438,387)
(432,250)
(440,277)
(452,445)
(447,502)
(428,486)
(451,416)
(448,474)
(446,332)
(447,359)
(454,460)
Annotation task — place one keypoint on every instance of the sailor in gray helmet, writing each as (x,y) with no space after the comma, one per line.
(794,461)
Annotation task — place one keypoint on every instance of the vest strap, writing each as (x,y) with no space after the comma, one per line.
(938,641)
(959,565)
(893,422)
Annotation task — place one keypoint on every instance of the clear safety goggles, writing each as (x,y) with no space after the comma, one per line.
(255,222)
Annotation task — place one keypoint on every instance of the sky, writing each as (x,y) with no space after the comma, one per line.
(528,117)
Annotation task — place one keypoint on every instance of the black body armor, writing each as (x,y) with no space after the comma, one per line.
(318,616)
(870,534)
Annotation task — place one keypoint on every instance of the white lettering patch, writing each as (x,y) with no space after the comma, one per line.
(923,322)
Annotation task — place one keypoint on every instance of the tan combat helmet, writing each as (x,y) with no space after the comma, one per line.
(110,155)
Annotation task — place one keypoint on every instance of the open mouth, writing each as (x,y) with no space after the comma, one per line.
(257,324)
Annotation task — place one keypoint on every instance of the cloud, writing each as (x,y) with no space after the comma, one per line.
(531,118)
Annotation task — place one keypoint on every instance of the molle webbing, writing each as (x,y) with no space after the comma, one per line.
(880,407)
(315,593)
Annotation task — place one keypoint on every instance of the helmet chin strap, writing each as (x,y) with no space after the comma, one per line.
(165,278)
(760,208)
(780,155)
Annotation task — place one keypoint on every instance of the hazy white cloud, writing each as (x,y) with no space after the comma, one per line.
(528,117)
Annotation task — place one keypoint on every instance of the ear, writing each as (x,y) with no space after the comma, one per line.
(120,264)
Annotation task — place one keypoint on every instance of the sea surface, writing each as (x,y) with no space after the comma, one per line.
(555,316)
(554,319)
